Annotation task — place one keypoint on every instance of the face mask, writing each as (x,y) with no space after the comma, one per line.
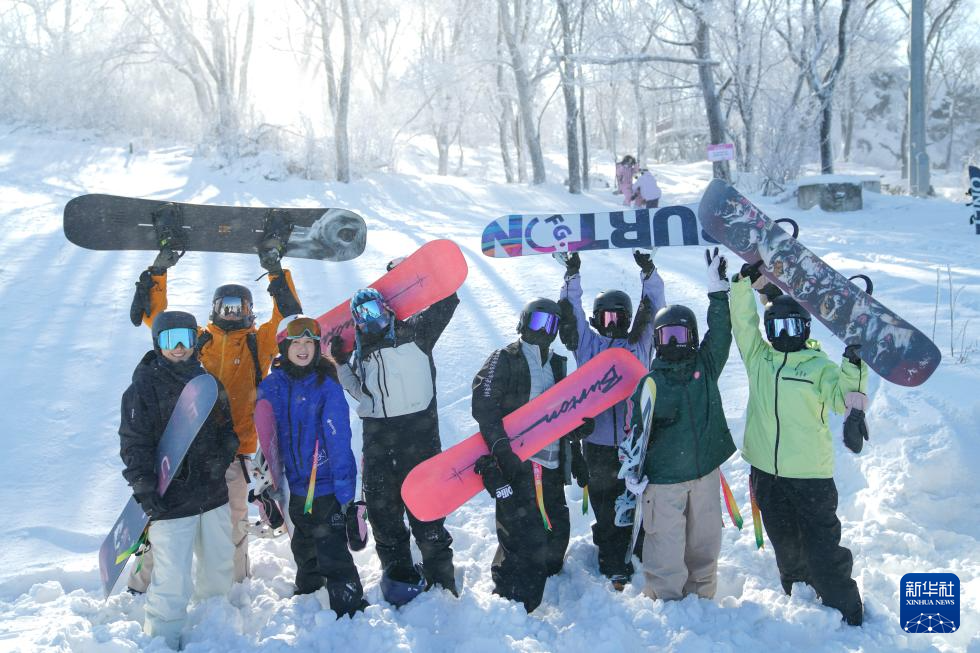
(786,344)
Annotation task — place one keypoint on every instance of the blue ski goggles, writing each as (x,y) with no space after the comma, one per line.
(170,338)
(793,326)
(541,321)
(369,311)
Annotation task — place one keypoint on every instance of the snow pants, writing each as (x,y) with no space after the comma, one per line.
(392,447)
(319,546)
(800,516)
(604,488)
(176,543)
(682,522)
(139,577)
(527,553)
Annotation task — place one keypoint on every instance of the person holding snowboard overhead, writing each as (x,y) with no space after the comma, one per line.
(792,385)
(313,427)
(392,375)
(646,192)
(532,517)
(238,354)
(610,326)
(688,443)
(191,521)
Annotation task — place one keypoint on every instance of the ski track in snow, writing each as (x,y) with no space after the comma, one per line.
(907,504)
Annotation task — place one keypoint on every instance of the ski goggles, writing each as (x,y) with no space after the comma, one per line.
(231,308)
(541,321)
(679,333)
(170,338)
(303,327)
(793,326)
(613,318)
(369,311)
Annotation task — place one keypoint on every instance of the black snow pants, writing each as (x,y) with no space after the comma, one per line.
(527,553)
(392,447)
(319,546)
(800,516)
(604,488)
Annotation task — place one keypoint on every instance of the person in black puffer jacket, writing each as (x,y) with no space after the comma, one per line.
(192,518)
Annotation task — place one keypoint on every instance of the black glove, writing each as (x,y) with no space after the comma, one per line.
(270,255)
(567,325)
(151,503)
(749,271)
(509,463)
(337,352)
(166,259)
(855,430)
(580,468)
(770,291)
(584,430)
(493,478)
(573,263)
(355,519)
(644,315)
(141,298)
(851,354)
(645,261)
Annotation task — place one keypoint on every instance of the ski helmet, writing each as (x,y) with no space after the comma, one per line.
(231,307)
(175,322)
(612,312)
(675,332)
(370,311)
(398,589)
(538,324)
(787,324)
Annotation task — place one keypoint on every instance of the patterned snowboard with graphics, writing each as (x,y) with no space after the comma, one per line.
(436,487)
(891,346)
(525,235)
(974,194)
(111,222)
(265,426)
(435,271)
(191,411)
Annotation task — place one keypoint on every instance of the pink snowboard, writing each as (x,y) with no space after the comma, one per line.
(435,271)
(436,487)
(265,426)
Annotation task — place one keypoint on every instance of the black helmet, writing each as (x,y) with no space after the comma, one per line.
(787,324)
(231,307)
(670,343)
(543,334)
(172,320)
(618,303)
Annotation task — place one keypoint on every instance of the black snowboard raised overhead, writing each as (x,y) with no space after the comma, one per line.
(110,222)
(890,345)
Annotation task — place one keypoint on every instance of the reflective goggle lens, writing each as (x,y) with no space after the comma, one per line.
(612,318)
(678,332)
(369,310)
(540,321)
(230,308)
(170,338)
(793,326)
(304,327)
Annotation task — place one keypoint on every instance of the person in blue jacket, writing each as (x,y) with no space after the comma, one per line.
(313,427)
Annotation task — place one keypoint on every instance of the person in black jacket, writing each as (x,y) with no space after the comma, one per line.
(192,518)
(392,375)
(531,543)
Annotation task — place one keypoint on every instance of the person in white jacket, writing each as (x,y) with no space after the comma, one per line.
(646,189)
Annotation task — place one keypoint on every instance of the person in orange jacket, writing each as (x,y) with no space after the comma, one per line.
(238,353)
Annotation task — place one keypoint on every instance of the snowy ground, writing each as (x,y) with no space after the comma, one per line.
(908,503)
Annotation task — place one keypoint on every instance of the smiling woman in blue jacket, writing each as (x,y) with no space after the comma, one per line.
(313,427)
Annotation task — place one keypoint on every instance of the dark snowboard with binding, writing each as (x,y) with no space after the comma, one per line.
(111,222)
(891,346)
(129,532)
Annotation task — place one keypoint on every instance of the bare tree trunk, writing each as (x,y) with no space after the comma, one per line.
(525,97)
(847,120)
(712,106)
(519,146)
(641,114)
(586,184)
(952,128)
(506,117)
(567,70)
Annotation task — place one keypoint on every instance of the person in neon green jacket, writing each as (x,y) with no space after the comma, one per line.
(793,385)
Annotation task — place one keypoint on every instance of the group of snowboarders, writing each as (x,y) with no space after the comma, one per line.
(391,376)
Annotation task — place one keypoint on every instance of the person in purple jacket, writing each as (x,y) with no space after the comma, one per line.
(313,427)
(612,325)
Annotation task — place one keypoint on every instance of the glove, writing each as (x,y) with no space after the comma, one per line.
(580,468)
(644,315)
(493,478)
(151,503)
(355,518)
(645,261)
(573,262)
(851,354)
(270,255)
(567,325)
(636,484)
(509,463)
(167,258)
(141,298)
(584,430)
(749,271)
(717,268)
(337,353)
(770,291)
(855,428)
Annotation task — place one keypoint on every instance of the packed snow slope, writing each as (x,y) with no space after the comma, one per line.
(909,503)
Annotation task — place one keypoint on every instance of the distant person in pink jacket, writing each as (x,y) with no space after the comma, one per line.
(626,170)
(646,191)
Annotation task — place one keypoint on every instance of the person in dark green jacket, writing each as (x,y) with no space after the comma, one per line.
(688,442)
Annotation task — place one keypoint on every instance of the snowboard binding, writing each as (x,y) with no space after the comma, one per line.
(276,229)
(168,222)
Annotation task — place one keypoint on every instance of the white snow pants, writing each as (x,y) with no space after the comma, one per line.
(682,522)
(176,542)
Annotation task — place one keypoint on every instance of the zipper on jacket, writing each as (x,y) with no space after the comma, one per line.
(382,376)
(775,455)
(690,416)
(289,420)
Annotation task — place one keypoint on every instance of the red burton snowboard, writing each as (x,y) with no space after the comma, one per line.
(444,482)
